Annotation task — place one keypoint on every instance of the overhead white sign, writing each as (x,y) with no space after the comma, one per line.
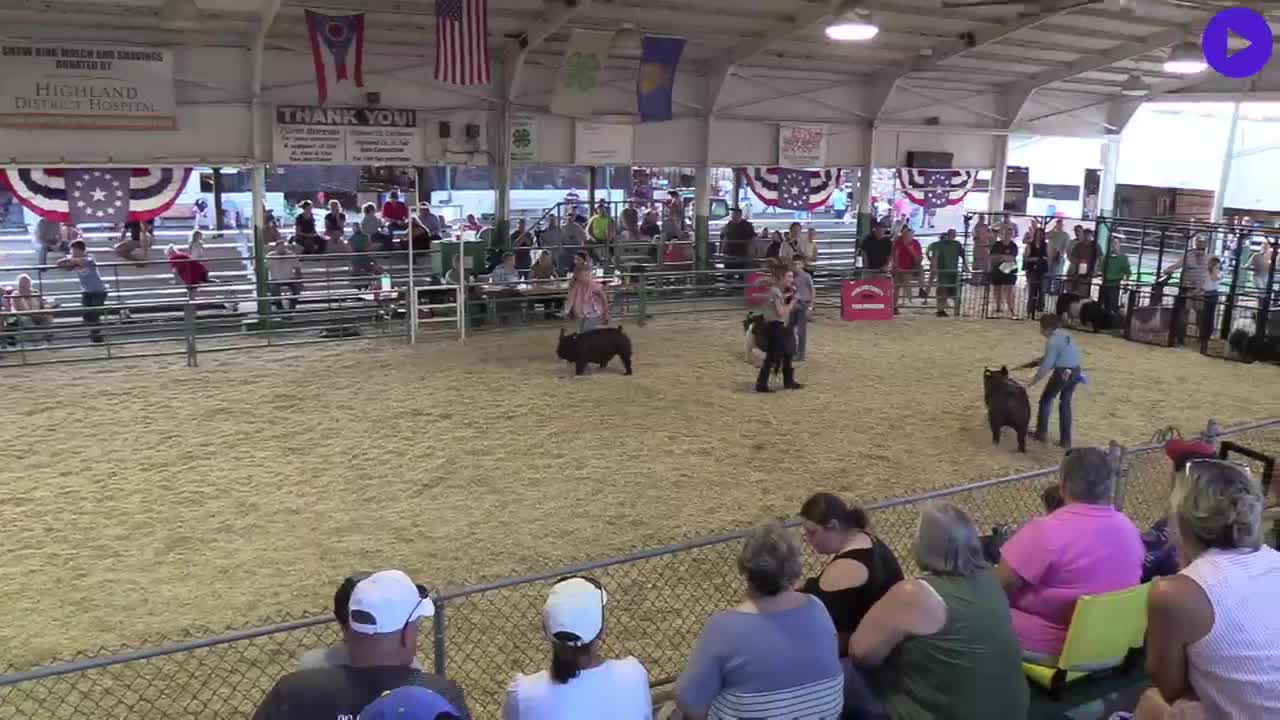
(602,143)
(346,136)
(802,146)
(524,138)
(51,85)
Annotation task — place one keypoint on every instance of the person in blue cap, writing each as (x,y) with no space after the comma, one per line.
(410,703)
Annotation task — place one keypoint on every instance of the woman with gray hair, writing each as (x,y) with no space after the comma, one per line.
(1213,635)
(944,642)
(772,655)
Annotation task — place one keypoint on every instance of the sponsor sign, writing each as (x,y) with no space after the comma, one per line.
(866,299)
(347,136)
(51,85)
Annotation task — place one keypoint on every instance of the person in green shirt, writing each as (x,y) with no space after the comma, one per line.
(600,226)
(1115,270)
(946,257)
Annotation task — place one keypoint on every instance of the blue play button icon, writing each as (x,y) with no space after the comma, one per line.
(1245,24)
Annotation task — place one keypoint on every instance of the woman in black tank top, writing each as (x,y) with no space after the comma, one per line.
(861,570)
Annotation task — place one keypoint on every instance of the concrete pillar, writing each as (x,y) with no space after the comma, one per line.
(1220,194)
(1110,172)
(259,182)
(702,202)
(864,184)
(502,173)
(995,198)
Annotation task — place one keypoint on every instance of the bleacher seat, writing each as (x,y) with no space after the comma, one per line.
(1106,632)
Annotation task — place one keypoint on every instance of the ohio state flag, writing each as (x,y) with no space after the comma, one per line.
(337,49)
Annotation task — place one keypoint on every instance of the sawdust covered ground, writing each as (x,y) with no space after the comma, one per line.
(147,500)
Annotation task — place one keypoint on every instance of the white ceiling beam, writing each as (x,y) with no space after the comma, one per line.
(817,101)
(986,36)
(518,53)
(802,22)
(956,103)
(1110,57)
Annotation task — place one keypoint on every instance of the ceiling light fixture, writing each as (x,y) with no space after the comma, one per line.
(1135,85)
(627,39)
(858,25)
(1185,58)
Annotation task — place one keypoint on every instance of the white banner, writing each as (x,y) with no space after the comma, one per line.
(802,146)
(50,85)
(602,143)
(347,136)
(524,138)
(581,73)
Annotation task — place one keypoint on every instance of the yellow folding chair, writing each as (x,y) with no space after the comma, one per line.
(1106,631)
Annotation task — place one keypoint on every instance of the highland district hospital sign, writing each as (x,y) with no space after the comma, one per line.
(81,86)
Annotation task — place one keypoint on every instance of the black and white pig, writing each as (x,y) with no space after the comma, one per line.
(595,347)
(755,341)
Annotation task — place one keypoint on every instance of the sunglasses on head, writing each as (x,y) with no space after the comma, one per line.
(1216,461)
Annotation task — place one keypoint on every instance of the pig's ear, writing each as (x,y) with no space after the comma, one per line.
(561,332)
(1004,369)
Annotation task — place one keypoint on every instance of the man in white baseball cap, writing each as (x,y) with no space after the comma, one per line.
(581,684)
(382,640)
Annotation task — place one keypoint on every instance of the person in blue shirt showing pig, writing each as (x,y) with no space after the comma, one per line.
(1061,365)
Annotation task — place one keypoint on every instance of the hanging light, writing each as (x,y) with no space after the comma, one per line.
(858,25)
(1135,85)
(627,39)
(1185,58)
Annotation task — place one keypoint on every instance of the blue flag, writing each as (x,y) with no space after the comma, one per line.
(793,189)
(98,196)
(657,76)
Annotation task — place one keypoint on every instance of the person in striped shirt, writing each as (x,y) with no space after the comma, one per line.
(773,655)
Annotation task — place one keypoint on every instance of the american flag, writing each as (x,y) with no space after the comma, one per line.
(793,189)
(935,189)
(462,42)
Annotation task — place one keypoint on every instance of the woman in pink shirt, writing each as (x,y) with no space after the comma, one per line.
(586,301)
(1086,547)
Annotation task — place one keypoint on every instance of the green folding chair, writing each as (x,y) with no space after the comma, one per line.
(1106,632)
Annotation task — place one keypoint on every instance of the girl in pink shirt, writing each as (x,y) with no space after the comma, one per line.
(586,301)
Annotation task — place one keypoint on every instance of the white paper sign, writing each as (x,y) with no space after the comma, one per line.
(602,143)
(347,136)
(524,138)
(51,85)
(802,146)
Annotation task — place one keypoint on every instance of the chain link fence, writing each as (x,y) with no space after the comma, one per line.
(482,635)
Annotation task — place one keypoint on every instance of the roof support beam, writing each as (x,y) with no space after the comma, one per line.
(518,53)
(1109,57)
(721,69)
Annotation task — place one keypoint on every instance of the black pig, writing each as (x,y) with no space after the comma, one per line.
(595,347)
(1007,405)
(1095,315)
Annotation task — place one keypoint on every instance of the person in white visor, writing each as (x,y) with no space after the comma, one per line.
(581,683)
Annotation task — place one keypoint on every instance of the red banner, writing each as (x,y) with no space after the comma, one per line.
(866,299)
(757,288)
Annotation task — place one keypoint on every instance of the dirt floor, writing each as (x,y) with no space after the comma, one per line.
(147,500)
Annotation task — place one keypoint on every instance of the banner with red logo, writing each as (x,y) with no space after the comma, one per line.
(757,288)
(866,299)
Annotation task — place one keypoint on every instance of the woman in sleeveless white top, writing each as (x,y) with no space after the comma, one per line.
(1213,639)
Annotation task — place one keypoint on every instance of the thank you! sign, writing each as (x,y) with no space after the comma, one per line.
(866,299)
(347,136)
(50,85)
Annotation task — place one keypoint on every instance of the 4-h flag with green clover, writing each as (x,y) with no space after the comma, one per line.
(579,76)
(524,138)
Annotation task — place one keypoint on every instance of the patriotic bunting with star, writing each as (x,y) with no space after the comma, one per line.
(51,193)
(792,189)
(936,189)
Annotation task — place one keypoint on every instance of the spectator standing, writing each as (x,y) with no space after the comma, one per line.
(521,244)
(735,242)
(1084,260)
(804,306)
(906,265)
(1213,633)
(1007,227)
(304,230)
(335,221)
(861,569)
(1059,243)
(779,306)
(1259,263)
(650,227)
(1035,263)
(1210,290)
(675,209)
(93,291)
(1086,547)
(876,250)
(944,642)
(195,245)
(395,213)
(983,236)
(601,228)
(552,239)
(382,641)
(581,683)
(801,244)
(1115,271)
(576,238)
(1060,363)
(48,236)
(285,271)
(1003,271)
(946,256)
(631,219)
(773,655)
